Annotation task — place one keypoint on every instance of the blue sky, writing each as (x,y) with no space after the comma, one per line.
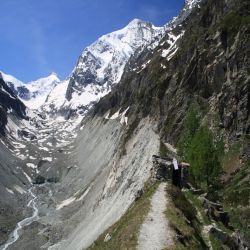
(41,36)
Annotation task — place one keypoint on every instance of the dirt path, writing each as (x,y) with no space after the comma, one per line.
(155,232)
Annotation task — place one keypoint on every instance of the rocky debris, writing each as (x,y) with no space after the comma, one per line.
(53,179)
(107,238)
(162,169)
(240,241)
(39,180)
(215,211)
(194,190)
(26,134)
(234,241)
(223,237)
(139,194)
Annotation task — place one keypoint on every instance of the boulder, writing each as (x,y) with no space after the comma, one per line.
(39,180)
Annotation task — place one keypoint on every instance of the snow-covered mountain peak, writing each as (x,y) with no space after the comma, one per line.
(44,82)
(33,93)
(40,89)
(191,3)
(138,23)
(135,21)
(53,73)
(189,6)
(37,84)
(101,65)
(11,79)
(103,61)
(137,31)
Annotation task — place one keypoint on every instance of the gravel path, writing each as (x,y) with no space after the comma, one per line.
(155,232)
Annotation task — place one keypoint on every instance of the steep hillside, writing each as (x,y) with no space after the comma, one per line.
(204,61)
(12,186)
(10,106)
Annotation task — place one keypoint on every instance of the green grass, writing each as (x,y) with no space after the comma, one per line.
(233,21)
(198,205)
(237,191)
(182,217)
(124,233)
(240,219)
(237,200)
(216,244)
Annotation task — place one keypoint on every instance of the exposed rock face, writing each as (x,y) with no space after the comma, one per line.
(100,67)
(9,103)
(103,62)
(103,183)
(162,169)
(206,60)
(208,63)
(11,200)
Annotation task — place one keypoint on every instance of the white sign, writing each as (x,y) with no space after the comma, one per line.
(175,164)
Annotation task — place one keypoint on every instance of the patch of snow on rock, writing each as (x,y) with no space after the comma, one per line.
(31,165)
(65,203)
(19,189)
(10,191)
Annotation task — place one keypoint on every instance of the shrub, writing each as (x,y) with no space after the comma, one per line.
(203,156)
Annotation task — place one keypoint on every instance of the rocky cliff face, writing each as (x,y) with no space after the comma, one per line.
(203,59)
(103,62)
(12,111)
(100,67)
(9,105)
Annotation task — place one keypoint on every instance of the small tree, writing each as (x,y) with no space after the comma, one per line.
(203,156)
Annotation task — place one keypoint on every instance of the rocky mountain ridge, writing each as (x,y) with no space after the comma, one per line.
(34,93)
(98,69)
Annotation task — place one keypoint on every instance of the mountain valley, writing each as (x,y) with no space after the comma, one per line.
(76,154)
